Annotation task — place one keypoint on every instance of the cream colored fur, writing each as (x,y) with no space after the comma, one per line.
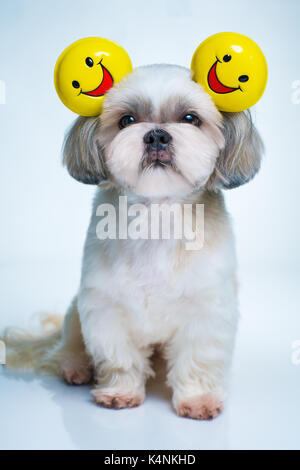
(137,294)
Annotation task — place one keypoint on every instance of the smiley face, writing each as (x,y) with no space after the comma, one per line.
(86,70)
(232,69)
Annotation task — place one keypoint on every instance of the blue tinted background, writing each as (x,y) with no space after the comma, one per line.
(44,216)
(43,211)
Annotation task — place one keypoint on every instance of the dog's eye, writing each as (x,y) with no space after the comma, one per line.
(191,119)
(126,121)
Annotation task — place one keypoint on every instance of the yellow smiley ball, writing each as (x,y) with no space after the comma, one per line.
(232,69)
(86,70)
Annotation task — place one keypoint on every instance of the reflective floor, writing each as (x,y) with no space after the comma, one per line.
(262,412)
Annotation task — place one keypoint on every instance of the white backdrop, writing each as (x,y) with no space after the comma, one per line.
(44,216)
(44,212)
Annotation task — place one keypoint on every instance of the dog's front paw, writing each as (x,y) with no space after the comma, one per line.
(117,400)
(206,406)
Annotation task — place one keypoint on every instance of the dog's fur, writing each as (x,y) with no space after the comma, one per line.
(136,294)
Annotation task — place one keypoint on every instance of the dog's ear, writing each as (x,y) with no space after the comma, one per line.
(240,158)
(82,153)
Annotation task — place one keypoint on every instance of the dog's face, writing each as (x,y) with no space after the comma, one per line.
(161,135)
(160,131)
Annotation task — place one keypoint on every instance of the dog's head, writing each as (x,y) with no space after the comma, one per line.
(161,135)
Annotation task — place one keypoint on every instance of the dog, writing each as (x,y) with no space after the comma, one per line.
(159,139)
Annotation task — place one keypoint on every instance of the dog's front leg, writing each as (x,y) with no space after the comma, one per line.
(199,357)
(121,368)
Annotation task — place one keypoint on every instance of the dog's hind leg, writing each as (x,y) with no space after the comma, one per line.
(74,363)
(57,349)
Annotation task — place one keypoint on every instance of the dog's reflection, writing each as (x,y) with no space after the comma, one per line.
(143,427)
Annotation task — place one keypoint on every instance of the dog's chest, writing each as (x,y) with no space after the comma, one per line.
(156,284)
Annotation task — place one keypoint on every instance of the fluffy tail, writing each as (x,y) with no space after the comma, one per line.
(28,351)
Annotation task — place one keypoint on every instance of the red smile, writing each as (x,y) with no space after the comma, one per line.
(215,84)
(105,85)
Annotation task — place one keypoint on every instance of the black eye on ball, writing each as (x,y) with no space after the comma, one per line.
(126,121)
(227,58)
(191,119)
(75,84)
(89,62)
(243,78)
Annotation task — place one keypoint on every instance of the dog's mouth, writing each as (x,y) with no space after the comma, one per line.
(215,84)
(106,83)
(157,158)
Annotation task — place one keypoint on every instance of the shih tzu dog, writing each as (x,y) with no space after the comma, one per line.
(159,140)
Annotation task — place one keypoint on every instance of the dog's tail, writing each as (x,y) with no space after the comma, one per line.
(34,351)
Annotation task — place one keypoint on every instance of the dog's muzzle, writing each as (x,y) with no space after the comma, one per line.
(158,147)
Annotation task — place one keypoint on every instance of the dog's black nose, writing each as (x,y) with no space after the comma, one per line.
(158,150)
(157,139)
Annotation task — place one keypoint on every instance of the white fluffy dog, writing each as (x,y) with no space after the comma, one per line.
(160,139)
